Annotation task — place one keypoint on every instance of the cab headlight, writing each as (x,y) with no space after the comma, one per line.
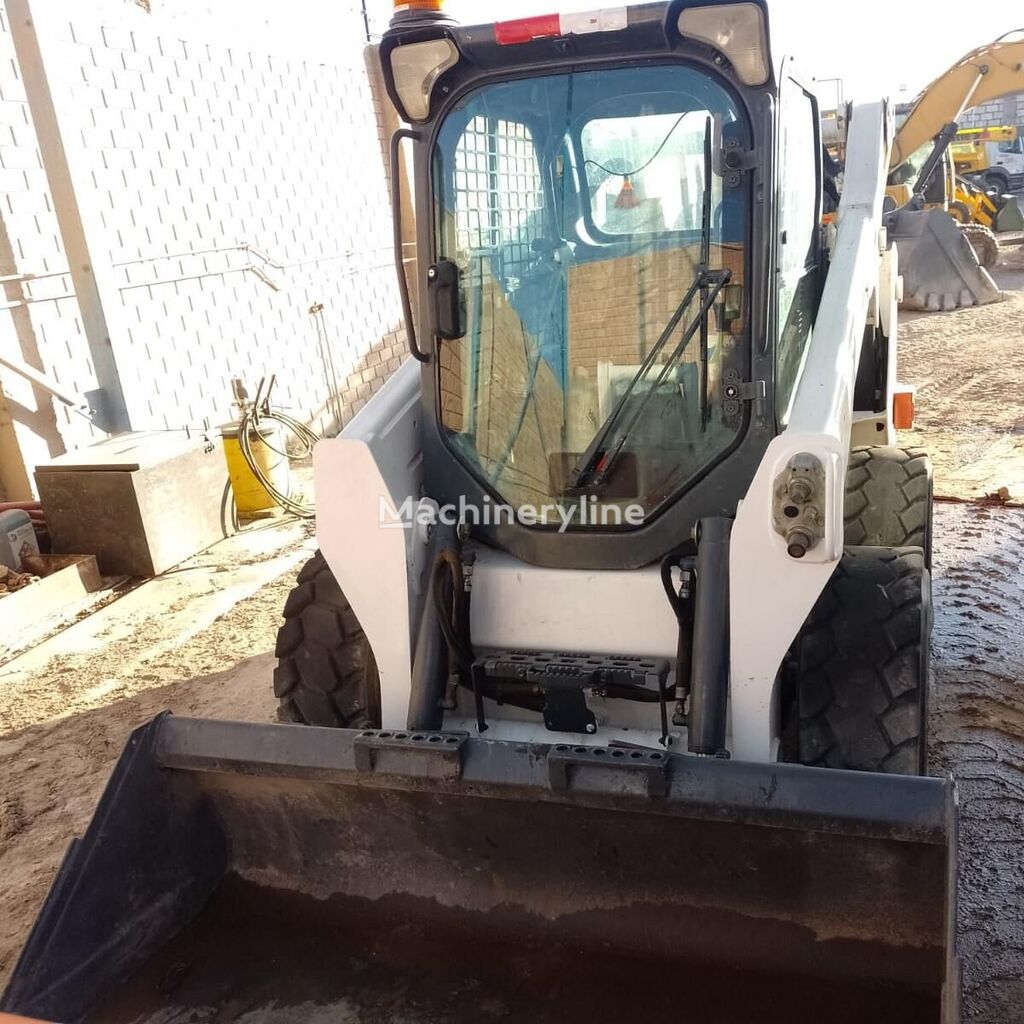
(737,30)
(415,69)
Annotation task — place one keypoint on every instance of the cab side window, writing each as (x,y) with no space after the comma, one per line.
(798,240)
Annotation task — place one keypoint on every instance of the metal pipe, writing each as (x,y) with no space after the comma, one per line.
(22,303)
(982,72)
(709,680)
(29,278)
(431,662)
(42,380)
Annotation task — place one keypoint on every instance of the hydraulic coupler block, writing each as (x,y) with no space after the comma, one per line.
(798,509)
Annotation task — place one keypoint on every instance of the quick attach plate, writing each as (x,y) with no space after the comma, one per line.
(562,680)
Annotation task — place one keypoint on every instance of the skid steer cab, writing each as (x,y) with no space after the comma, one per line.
(611,678)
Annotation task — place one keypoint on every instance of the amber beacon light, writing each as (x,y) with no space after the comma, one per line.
(417,5)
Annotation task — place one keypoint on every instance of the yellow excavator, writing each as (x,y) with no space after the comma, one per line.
(943,224)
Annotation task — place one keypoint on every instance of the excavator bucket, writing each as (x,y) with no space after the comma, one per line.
(940,268)
(283,874)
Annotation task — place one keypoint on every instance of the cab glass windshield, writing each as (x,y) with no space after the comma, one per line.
(601,250)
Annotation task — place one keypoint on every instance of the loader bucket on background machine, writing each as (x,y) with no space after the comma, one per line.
(1010,216)
(275,873)
(939,267)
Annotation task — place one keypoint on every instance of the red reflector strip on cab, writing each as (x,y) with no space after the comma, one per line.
(551,26)
(545,26)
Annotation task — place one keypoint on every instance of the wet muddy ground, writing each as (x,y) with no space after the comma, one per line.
(968,367)
(977,725)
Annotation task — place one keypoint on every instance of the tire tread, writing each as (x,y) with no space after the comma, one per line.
(889,497)
(326,673)
(862,665)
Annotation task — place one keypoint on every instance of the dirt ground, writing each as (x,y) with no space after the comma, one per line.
(968,367)
(200,642)
(64,720)
(977,733)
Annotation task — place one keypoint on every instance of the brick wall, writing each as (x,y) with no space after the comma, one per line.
(1009,110)
(230,189)
(618,308)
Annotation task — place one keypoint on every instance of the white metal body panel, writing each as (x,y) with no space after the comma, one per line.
(879,429)
(525,607)
(522,606)
(377,458)
(771,594)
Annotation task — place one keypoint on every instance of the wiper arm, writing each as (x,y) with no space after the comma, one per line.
(596,457)
(599,460)
(589,459)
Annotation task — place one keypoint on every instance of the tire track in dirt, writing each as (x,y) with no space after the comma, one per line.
(977,726)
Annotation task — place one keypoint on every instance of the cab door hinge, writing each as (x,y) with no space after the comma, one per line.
(749,391)
(736,161)
(736,391)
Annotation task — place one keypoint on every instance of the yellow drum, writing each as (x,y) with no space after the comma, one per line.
(252,499)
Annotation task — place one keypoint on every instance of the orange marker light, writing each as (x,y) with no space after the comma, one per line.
(903,410)
(418,5)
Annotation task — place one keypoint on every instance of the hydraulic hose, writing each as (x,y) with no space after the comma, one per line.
(249,426)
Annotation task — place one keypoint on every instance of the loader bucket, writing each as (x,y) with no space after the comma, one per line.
(1010,216)
(282,874)
(940,269)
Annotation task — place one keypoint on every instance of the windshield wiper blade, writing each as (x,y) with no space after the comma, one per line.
(705,261)
(596,457)
(588,460)
(601,460)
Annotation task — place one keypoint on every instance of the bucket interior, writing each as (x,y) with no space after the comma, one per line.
(258,955)
(308,894)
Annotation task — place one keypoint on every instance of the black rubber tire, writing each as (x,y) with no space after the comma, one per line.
(960,212)
(984,243)
(861,666)
(994,180)
(326,674)
(890,499)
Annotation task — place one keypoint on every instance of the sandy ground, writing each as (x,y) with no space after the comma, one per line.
(200,641)
(968,367)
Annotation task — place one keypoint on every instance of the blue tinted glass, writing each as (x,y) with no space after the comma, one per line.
(575,207)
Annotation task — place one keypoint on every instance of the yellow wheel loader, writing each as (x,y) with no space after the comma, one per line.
(944,227)
(606,697)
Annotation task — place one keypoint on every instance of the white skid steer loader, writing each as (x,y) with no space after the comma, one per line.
(607,696)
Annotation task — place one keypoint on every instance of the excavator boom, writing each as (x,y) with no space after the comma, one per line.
(988,73)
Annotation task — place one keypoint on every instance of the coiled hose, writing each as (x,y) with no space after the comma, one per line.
(253,417)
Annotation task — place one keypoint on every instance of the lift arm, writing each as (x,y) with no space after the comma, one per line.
(772,591)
